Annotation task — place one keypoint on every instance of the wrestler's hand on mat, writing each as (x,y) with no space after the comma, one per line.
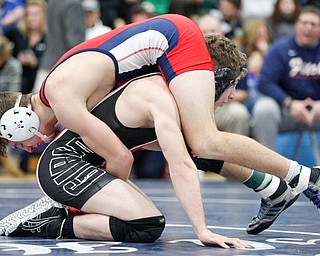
(211,239)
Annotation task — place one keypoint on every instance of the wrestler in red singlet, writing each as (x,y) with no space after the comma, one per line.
(172,43)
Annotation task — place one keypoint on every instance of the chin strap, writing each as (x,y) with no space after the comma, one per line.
(43,137)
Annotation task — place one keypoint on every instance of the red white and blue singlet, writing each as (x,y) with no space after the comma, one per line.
(170,43)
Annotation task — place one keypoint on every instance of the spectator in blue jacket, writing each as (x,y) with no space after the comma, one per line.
(11,12)
(290,80)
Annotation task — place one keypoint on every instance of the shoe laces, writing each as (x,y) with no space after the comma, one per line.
(313,195)
(264,207)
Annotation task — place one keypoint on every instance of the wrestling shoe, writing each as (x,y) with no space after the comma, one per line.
(47,224)
(10,223)
(271,208)
(313,190)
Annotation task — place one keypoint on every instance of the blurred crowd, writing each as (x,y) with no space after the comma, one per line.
(280,38)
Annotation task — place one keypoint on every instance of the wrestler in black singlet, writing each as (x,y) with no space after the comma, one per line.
(68,171)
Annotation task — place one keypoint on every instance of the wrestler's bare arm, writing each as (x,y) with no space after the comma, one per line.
(72,90)
(183,172)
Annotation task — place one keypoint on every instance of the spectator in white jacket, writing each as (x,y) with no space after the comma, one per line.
(94,25)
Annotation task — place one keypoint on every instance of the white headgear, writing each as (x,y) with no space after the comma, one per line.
(19,123)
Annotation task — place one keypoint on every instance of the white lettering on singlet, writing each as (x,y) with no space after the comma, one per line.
(304,69)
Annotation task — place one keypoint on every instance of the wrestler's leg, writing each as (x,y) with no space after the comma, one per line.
(96,226)
(138,189)
(276,195)
(235,172)
(117,199)
(115,211)
(121,200)
(194,94)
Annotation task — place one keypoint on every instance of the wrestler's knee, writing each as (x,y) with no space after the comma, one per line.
(146,230)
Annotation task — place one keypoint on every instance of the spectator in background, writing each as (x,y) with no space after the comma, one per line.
(230,10)
(254,42)
(10,68)
(255,37)
(115,13)
(160,6)
(261,9)
(233,117)
(66,28)
(289,78)
(94,24)
(192,7)
(10,80)
(209,25)
(141,12)
(29,41)
(11,12)
(283,17)
(29,45)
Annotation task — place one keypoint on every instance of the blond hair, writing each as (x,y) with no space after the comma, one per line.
(250,31)
(22,26)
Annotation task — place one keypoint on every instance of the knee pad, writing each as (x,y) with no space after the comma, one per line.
(146,230)
(208,165)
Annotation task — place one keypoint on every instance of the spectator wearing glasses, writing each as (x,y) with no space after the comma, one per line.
(289,79)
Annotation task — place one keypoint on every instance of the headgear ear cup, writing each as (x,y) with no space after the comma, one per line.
(224,78)
(19,123)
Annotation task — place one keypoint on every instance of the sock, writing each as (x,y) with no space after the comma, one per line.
(293,171)
(258,180)
(273,189)
(67,229)
(300,182)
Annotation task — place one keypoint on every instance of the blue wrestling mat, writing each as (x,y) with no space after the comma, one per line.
(229,207)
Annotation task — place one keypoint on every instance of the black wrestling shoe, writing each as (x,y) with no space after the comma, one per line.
(271,208)
(313,190)
(47,225)
(10,223)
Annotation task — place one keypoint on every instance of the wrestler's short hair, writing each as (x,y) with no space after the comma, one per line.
(8,100)
(225,54)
